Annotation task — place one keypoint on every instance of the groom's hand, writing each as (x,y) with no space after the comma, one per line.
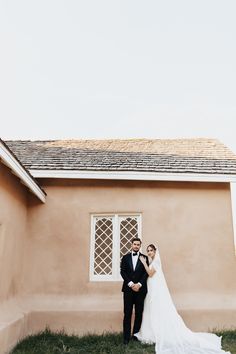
(136,287)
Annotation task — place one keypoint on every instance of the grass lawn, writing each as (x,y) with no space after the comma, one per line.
(48,342)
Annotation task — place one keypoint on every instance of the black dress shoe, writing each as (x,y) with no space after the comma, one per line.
(134,338)
(125,342)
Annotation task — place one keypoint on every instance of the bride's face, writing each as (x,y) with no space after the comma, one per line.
(151,252)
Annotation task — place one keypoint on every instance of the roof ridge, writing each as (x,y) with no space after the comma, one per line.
(117,139)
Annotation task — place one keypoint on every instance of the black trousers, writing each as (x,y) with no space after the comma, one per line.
(136,300)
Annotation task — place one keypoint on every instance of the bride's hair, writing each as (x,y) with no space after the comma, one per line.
(152,247)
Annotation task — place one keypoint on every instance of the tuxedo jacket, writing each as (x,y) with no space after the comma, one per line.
(137,275)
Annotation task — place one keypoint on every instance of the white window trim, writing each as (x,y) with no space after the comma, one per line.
(115,276)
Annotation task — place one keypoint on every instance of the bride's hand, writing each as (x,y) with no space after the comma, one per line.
(143,259)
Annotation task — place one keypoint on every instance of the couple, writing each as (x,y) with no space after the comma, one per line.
(156,319)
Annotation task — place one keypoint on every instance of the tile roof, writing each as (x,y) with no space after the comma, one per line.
(201,155)
(8,158)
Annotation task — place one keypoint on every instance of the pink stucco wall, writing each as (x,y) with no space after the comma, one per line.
(191,223)
(45,250)
(13,228)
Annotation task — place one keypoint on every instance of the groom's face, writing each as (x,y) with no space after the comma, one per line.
(136,245)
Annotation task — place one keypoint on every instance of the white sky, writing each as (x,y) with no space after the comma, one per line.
(118,69)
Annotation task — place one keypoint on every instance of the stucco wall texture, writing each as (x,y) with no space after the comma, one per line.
(190,222)
(45,253)
(13,231)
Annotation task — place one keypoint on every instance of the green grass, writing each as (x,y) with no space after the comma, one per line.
(48,342)
(228,340)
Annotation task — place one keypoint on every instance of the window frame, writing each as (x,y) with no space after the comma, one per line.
(115,276)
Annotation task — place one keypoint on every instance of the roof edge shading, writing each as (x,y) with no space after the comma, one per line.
(135,176)
(9,159)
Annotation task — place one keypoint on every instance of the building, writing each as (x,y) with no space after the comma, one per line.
(68,210)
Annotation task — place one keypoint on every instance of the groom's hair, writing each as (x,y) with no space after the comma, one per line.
(136,239)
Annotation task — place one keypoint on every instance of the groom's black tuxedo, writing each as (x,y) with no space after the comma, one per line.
(132,298)
(137,275)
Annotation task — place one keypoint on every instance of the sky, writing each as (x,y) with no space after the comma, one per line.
(118,69)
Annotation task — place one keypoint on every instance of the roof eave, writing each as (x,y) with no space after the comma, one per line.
(134,175)
(10,160)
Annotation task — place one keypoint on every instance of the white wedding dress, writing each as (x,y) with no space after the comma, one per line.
(162,325)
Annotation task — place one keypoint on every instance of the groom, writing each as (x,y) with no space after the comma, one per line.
(134,288)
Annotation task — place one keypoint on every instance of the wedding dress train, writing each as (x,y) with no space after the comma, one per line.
(163,325)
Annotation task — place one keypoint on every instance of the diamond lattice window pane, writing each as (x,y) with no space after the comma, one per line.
(128,230)
(103,246)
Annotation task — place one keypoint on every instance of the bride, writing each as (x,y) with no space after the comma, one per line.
(161,322)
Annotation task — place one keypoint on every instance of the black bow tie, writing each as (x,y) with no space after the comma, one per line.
(135,253)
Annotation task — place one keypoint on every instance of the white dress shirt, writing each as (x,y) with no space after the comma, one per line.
(134,261)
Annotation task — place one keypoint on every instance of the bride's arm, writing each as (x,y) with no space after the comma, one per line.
(148,270)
